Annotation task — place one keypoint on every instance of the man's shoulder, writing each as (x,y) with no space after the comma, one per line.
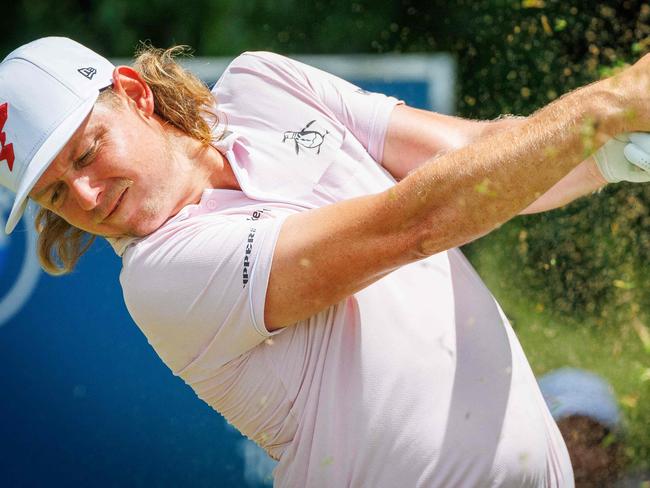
(264,66)
(260,57)
(222,217)
(157,256)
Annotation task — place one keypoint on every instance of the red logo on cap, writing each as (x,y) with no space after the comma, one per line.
(6,150)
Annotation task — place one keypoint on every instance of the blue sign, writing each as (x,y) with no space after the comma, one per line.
(85,399)
(18,263)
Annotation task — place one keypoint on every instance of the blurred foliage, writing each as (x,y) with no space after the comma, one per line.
(583,263)
(586,260)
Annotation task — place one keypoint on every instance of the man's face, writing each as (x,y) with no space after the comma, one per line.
(117,175)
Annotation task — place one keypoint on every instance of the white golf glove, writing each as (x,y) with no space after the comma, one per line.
(626,157)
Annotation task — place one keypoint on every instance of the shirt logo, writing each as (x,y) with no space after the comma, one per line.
(308,139)
(257,214)
(247,256)
(6,150)
(88,72)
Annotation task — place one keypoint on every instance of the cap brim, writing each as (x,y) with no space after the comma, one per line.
(44,156)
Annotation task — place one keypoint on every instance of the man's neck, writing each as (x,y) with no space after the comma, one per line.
(215,167)
(223,176)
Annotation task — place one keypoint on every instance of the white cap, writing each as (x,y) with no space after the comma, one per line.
(47,88)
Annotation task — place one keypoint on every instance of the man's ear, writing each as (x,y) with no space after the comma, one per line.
(129,83)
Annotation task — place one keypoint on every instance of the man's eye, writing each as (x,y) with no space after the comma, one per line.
(56,194)
(84,160)
(87,157)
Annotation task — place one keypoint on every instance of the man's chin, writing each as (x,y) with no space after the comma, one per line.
(137,232)
(143,229)
(138,229)
(127,234)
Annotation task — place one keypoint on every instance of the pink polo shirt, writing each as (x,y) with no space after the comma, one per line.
(417,381)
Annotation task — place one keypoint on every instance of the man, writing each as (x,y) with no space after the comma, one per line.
(274,263)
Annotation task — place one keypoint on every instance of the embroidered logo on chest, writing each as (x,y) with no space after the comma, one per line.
(306,138)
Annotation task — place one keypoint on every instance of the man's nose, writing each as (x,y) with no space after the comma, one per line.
(85,192)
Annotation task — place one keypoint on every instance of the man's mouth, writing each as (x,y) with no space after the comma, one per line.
(116,204)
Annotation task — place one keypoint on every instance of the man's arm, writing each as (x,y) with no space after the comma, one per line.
(326,254)
(582,180)
(415,136)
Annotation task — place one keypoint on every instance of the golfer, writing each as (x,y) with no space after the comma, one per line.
(288,244)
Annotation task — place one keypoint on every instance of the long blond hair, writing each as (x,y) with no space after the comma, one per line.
(180,99)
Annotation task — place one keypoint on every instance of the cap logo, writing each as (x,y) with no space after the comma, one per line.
(6,150)
(88,72)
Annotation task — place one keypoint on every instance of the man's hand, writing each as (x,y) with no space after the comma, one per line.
(638,151)
(626,157)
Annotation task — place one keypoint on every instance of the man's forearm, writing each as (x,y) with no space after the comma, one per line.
(581,180)
(467,193)
(415,136)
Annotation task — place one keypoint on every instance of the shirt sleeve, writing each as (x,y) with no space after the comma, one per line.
(365,114)
(197,289)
